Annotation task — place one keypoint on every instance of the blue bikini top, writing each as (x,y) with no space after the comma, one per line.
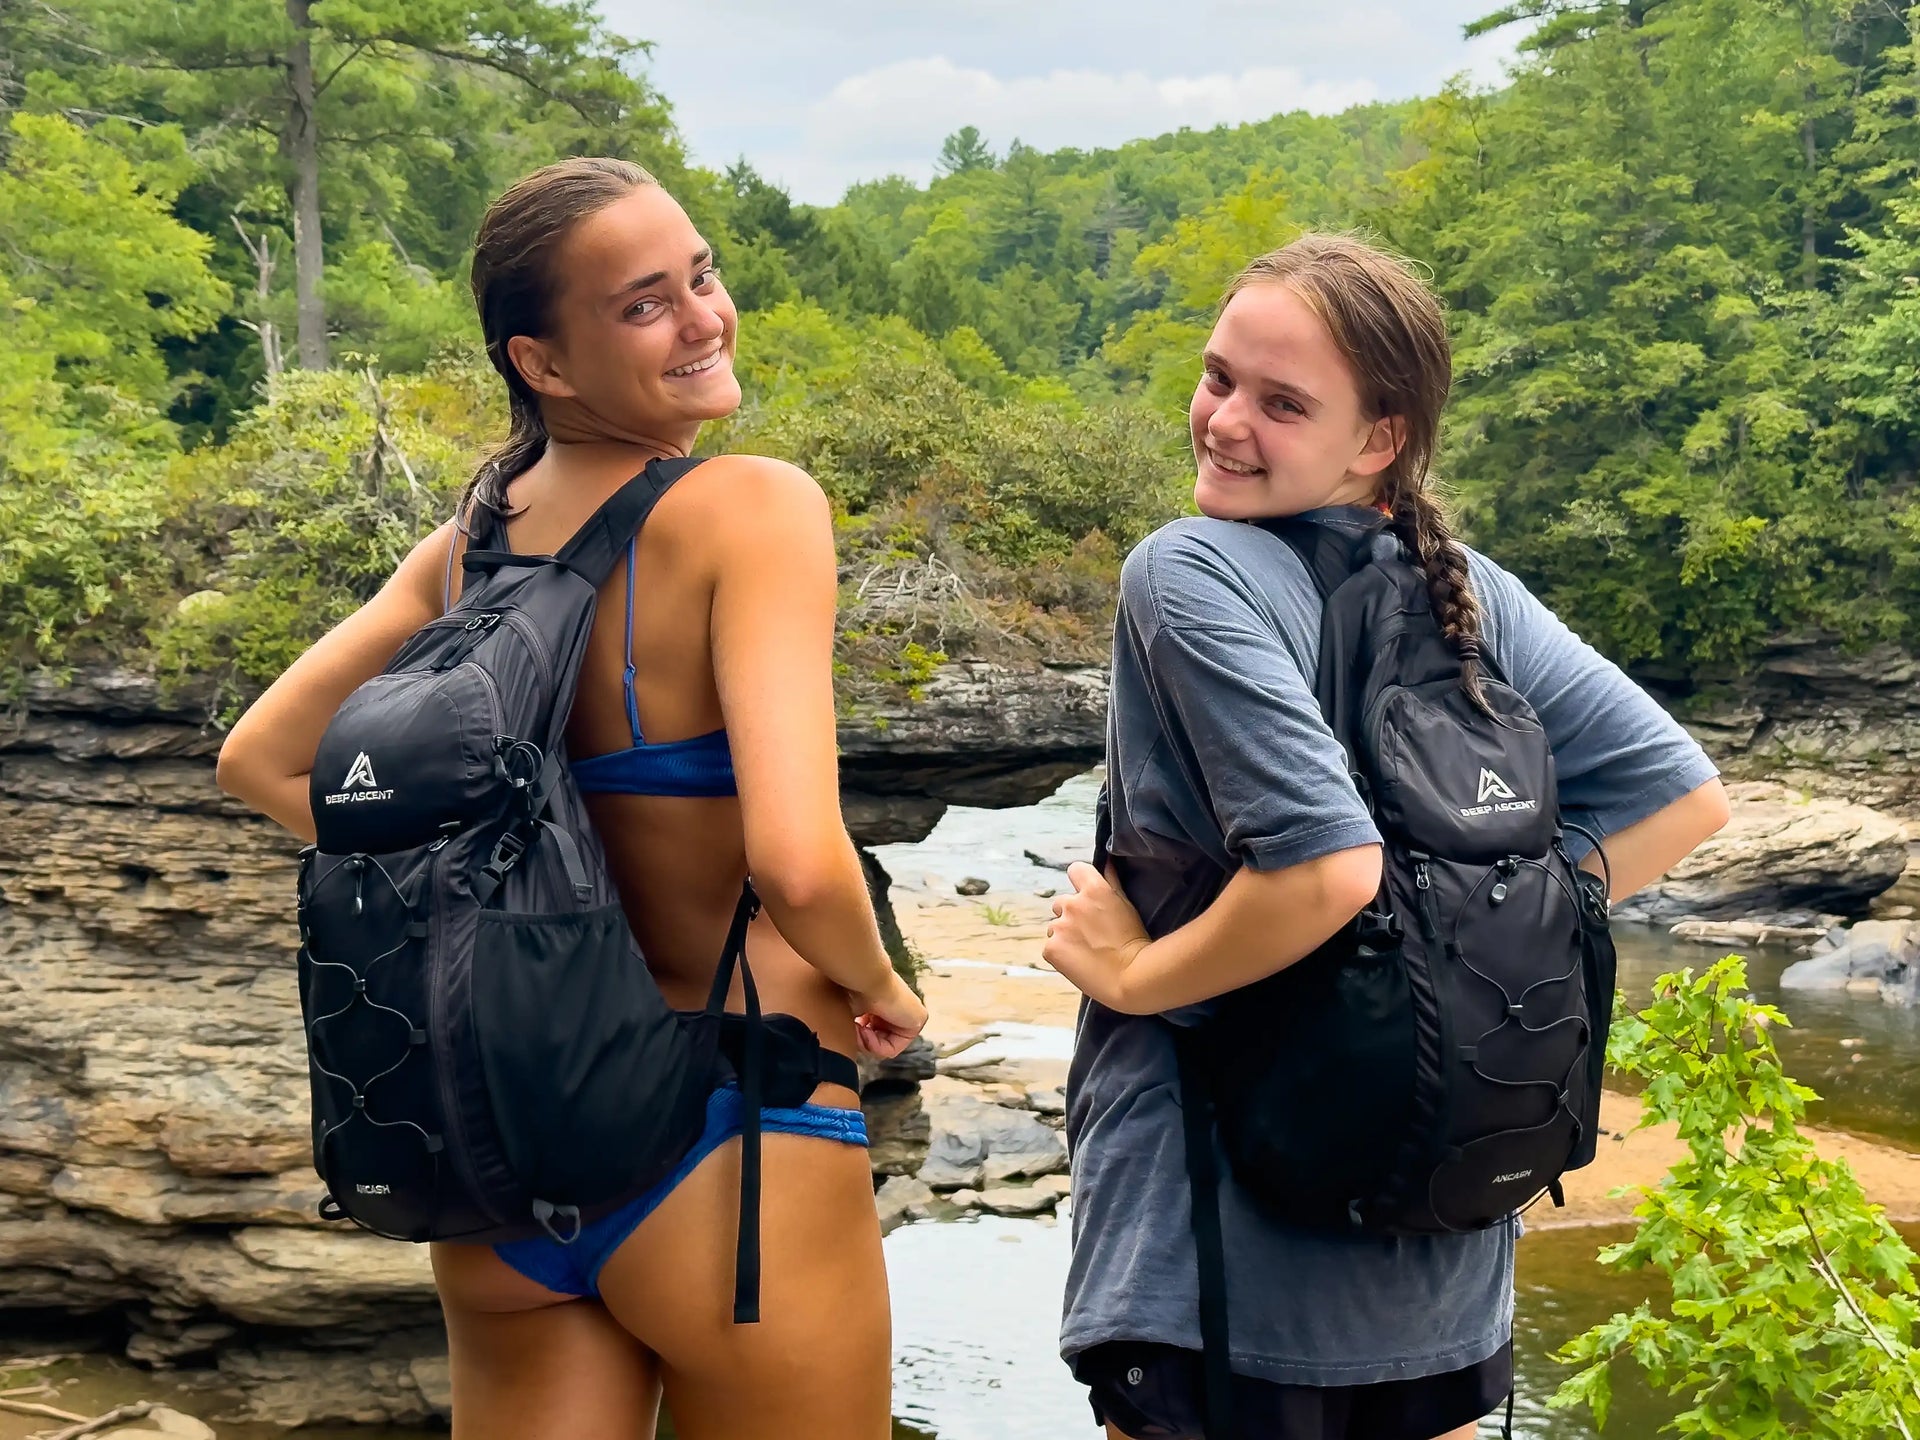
(701,766)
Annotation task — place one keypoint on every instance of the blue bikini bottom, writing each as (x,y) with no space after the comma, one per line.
(574,1269)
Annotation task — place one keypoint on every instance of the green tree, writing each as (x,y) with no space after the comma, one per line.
(296,92)
(1159,350)
(95,275)
(962,151)
(1642,422)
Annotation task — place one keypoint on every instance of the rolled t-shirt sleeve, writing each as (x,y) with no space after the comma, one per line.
(1244,726)
(1617,755)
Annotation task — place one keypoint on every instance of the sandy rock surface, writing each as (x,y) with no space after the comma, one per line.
(1783,857)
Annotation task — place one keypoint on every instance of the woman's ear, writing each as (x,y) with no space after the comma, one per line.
(1383,446)
(539,367)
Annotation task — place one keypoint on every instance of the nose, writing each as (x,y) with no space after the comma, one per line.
(1229,419)
(703,320)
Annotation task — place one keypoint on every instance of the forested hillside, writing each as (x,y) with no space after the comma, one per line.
(1681,247)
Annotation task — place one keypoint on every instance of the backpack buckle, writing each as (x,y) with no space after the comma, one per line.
(507,851)
(1377,930)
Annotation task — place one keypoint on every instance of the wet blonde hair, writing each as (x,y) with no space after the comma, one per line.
(1391,328)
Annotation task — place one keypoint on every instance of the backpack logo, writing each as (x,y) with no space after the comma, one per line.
(365,1189)
(359,784)
(1496,797)
(1511,1176)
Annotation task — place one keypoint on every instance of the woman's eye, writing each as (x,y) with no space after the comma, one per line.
(641,308)
(1214,379)
(705,279)
(1287,407)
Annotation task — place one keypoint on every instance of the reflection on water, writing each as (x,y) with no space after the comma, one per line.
(1560,1292)
(1871,1087)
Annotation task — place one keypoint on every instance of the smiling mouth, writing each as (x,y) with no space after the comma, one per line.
(700,366)
(1231,467)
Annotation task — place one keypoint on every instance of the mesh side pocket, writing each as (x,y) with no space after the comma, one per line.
(596,1088)
(376,1124)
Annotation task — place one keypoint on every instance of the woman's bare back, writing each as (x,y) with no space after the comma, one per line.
(678,861)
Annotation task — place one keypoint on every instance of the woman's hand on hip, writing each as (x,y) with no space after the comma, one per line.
(1095,936)
(888,1017)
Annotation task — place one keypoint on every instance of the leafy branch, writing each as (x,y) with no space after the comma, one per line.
(1769,1329)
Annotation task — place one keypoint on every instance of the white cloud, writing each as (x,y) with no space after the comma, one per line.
(894,116)
(821,94)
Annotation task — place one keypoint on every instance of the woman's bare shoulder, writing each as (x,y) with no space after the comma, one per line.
(733,478)
(736,500)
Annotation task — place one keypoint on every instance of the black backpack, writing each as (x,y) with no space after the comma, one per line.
(1436,1065)
(489,1057)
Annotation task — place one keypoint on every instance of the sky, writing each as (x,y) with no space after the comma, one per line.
(819,94)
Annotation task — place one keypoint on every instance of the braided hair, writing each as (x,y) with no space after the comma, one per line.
(1390,326)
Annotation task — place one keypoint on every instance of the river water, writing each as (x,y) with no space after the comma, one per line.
(976,1301)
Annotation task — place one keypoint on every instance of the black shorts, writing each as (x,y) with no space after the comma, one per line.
(1154,1392)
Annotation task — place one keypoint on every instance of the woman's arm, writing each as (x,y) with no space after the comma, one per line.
(1265,920)
(775,587)
(1641,853)
(269,753)
(1262,922)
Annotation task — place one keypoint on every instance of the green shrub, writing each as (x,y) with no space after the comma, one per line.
(1793,1301)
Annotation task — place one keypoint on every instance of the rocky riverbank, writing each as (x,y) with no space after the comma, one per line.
(1786,858)
(1814,716)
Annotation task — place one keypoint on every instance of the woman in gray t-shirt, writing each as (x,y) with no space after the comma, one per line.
(1243,844)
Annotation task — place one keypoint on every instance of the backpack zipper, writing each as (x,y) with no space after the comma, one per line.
(487,683)
(1423,896)
(536,643)
(477,627)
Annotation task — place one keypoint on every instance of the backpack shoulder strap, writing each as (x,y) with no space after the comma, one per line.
(597,546)
(1331,553)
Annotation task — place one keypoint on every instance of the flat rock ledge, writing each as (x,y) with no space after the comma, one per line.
(1785,859)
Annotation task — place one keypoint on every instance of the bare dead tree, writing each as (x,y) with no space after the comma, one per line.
(266,257)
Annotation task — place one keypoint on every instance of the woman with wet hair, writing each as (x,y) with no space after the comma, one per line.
(1241,838)
(703,736)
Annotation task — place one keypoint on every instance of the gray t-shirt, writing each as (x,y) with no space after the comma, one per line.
(1217,756)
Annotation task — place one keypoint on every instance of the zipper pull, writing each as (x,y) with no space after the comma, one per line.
(1423,884)
(359,878)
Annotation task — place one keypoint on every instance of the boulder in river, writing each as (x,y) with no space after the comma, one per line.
(975,1143)
(972,885)
(1875,956)
(1017,1199)
(1784,858)
(901,1199)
